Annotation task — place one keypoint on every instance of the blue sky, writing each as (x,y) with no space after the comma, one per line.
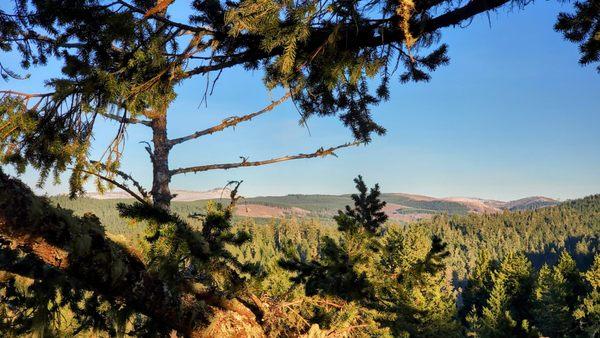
(512,115)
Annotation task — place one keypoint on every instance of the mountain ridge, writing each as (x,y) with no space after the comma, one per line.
(401,206)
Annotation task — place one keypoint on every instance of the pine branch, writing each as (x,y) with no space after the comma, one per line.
(358,36)
(241,58)
(126,177)
(230,122)
(117,184)
(32,36)
(245,163)
(50,238)
(163,19)
(460,14)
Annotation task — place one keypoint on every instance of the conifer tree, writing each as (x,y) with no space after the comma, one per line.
(400,276)
(345,268)
(419,295)
(478,284)
(550,310)
(186,277)
(123,59)
(555,297)
(503,313)
(588,312)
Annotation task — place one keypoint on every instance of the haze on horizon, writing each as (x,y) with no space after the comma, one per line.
(521,120)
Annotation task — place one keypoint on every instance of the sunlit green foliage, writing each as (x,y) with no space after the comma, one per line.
(398,279)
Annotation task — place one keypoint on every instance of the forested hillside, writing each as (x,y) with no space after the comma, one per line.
(319,206)
(542,234)
(399,207)
(328,204)
(523,274)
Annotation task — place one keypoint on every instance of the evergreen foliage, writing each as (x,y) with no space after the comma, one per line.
(343,267)
(189,271)
(518,301)
(588,311)
(399,277)
(583,27)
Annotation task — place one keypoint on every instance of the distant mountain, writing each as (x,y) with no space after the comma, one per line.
(530,203)
(400,206)
(188,195)
(181,195)
(492,206)
(478,205)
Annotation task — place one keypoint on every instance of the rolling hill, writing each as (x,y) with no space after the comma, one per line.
(400,206)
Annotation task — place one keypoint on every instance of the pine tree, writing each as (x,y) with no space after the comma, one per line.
(400,275)
(344,268)
(555,297)
(419,297)
(588,312)
(478,284)
(503,314)
(550,310)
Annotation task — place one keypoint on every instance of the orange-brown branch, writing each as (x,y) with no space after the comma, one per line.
(24,95)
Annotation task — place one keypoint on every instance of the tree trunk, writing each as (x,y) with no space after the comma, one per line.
(161,194)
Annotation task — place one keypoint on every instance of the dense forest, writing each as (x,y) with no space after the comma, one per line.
(522,274)
(541,234)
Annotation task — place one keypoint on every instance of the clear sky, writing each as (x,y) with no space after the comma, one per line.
(513,115)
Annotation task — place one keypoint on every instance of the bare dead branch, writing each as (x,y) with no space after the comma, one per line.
(230,121)
(148,150)
(319,153)
(123,119)
(24,95)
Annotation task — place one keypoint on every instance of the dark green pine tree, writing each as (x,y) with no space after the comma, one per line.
(182,274)
(555,296)
(400,275)
(504,313)
(479,283)
(550,311)
(345,267)
(587,313)
(413,288)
